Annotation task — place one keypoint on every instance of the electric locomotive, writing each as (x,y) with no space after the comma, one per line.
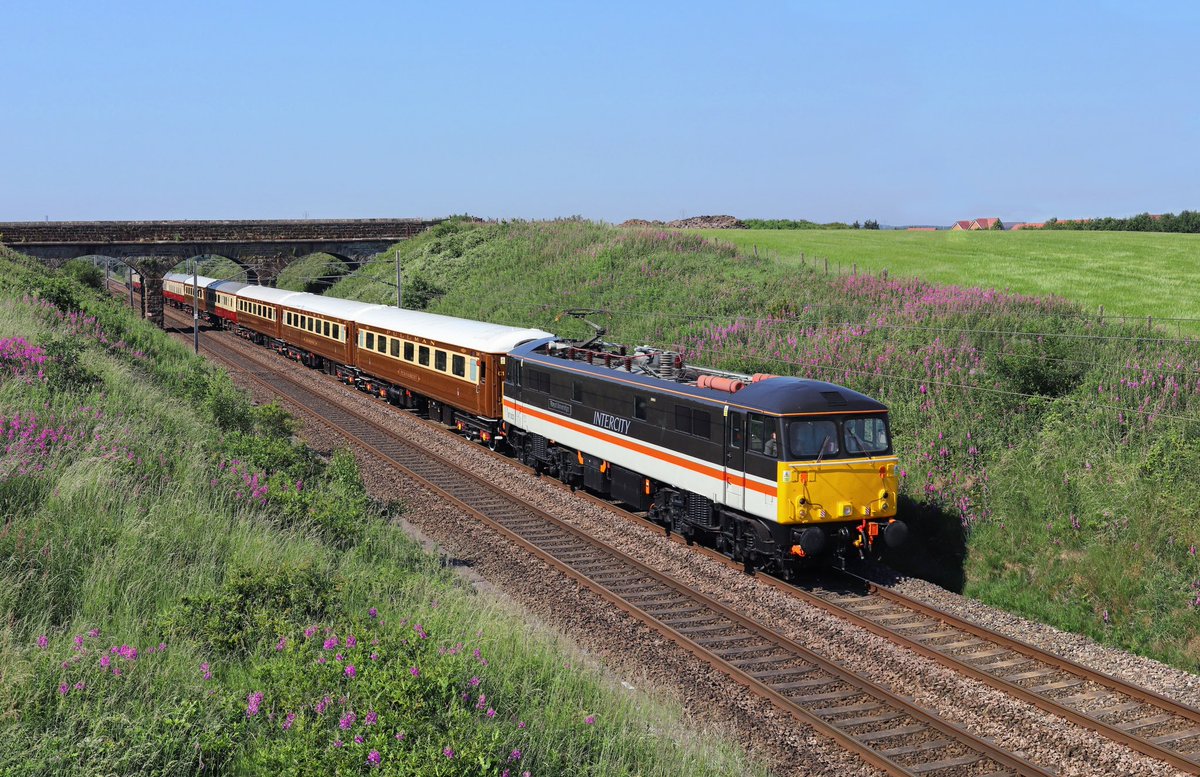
(779,473)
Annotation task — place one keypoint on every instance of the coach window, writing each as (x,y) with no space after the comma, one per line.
(423,356)
(370,340)
(439,360)
(381,346)
(409,348)
(475,364)
(395,348)
(639,408)
(325,327)
(458,365)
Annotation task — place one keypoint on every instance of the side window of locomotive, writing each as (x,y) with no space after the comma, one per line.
(639,407)
(513,374)
(458,365)
(735,431)
(683,419)
(423,355)
(409,350)
(701,426)
(370,340)
(866,435)
(758,432)
(810,439)
(576,391)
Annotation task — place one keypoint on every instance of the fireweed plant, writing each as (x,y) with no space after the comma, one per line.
(186,590)
(1046,454)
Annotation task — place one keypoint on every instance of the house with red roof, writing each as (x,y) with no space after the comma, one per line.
(975,225)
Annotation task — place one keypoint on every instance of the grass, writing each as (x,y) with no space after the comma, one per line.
(1047,456)
(313,273)
(172,568)
(1136,274)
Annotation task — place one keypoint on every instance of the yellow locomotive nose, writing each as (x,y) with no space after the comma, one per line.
(837,491)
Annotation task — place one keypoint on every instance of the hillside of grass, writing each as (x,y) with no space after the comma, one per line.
(313,273)
(1045,455)
(183,589)
(1130,273)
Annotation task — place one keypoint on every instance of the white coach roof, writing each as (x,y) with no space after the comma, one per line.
(201,280)
(267,294)
(463,332)
(335,307)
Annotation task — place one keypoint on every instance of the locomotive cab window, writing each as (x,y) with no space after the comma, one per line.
(458,365)
(866,435)
(764,438)
(812,439)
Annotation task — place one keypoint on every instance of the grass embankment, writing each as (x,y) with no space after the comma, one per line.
(185,589)
(1130,273)
(1047,457)
(313,273)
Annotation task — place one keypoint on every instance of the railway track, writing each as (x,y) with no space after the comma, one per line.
(1123,712)
(883,728)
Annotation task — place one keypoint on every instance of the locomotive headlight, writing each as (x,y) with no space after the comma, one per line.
(847,510)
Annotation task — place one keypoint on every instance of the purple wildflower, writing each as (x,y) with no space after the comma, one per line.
(515,755)
(289,720)
(374,758)
(373,612)
(309,632)
(448,752)
(253,702)
(415,672)
(331,643)
(350,670)
(590,720)
(399,736)
(281,644)
(358,740)
(63,689)
(351,641)
(337,743)
(79,686)
(105,661)
(42,641)
(372,718)
(347,722)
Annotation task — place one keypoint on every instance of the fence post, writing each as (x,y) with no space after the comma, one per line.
(855,271)
(1101,315)
(827,265)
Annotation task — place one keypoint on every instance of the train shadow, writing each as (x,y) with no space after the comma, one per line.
(936,549)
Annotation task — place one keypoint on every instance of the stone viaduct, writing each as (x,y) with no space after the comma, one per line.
(261,248)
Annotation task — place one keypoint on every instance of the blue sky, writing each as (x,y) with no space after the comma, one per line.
(905,113)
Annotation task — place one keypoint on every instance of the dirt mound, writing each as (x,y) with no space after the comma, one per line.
(694,222)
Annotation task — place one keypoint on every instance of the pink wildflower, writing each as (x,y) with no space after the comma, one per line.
(350,670)
(43,641)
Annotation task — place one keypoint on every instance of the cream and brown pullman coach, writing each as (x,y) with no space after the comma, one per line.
(446,363)
(258,312)
(320,331)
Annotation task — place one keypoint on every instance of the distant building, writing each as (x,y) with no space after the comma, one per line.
(975,225)
(1028,225)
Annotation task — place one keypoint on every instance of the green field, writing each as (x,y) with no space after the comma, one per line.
(1130,273)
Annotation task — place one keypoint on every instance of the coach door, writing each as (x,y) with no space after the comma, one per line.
(735,459)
